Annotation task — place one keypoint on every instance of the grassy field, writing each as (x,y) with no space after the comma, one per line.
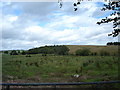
(50,68)
(95,48)
(58,68)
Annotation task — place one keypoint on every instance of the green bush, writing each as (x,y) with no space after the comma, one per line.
(94,53)
(23,52)
(104,53)
(83,52)
(13,52)
(5,52)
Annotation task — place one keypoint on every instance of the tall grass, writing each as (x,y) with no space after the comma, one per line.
(38,68)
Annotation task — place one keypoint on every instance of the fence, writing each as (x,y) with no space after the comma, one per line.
(56,84)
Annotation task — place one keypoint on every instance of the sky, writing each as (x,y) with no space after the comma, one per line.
(28,25)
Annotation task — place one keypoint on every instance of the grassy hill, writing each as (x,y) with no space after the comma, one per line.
(94,48)
(111,49)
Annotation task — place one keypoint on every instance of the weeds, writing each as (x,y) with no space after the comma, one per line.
(94,68)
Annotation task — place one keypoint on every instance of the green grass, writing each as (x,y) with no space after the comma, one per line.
(59,68)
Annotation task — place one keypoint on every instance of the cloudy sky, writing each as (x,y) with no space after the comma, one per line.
(27,25)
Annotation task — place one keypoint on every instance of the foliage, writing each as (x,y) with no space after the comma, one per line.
(113,43)
(23,52)
(58,49)
(93,53)
(83,52)
(104,53)
(13,52)
(113,5)
(6,52)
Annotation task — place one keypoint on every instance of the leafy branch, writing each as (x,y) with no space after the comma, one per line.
(115,16)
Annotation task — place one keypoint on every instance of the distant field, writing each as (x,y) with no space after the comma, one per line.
(94,48)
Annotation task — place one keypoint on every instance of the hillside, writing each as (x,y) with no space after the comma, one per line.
(71,49)
(93,48)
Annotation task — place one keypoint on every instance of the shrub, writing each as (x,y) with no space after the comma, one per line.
(83,52)
(94,53)
(44,54)
(13,52)
(97,63)
(5,52)
(104,53)
(23,52)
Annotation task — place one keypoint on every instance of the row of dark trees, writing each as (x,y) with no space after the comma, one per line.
(113,43)
(58,49)
(15,52)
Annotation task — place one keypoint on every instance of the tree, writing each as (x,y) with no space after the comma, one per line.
(62,50)
(113,5)
(113,43)
(6,52)
(23,52)
(18,51)
(13,52)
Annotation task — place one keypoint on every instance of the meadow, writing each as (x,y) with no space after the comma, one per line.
(58,68)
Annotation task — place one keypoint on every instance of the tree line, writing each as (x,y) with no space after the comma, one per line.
(15,52)
(56,49)
(113,43)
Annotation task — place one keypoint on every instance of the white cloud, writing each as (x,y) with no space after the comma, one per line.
(29,25)
(12,19)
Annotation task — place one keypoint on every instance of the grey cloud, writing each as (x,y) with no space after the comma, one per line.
(39,10)
(15,35)
(31,10)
